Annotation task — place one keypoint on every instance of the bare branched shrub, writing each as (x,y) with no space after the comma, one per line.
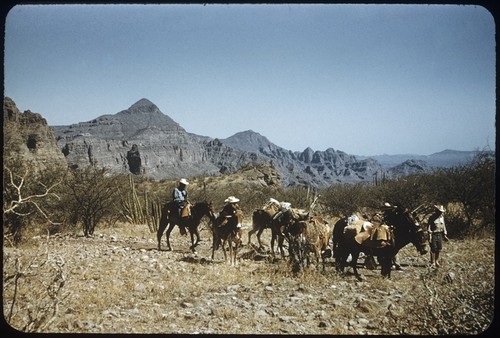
(28,196)
(93,192)
(33,290)
(457,300)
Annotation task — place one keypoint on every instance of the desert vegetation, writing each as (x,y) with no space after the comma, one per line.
(80,256)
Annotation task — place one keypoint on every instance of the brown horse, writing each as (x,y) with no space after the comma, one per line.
(170,217)
(404,230)
(226,231)
(262,219)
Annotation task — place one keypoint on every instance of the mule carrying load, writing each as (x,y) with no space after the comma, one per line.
(276,216)
(382,237)
(371,234)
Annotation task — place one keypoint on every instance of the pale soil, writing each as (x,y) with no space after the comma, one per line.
(118,282)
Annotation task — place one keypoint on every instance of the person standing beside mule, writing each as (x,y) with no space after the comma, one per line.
(179,196)
(438,232)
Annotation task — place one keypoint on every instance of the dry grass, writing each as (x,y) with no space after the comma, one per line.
(117,282)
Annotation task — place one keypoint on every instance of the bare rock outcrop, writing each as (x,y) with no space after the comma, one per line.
(28,137)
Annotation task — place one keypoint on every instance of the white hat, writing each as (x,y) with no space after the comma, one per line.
(183,181)
(231,199)
(440,208)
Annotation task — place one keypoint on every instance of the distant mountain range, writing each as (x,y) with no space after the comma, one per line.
(145,141)
(445,158)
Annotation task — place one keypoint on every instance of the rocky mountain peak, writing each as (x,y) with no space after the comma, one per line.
(142,107)
(249,140)
(410,167)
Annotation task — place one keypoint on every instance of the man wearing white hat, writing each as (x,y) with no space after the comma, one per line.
(231,208)
(179,196)
(437,230)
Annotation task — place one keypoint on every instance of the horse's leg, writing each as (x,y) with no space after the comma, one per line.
(273,238)
(224,249)
(317,252)
(159,232)
(196,233)
(250,233)
(213,245)
(386,265)
(341,262)
(235,251)
(281,239)
(171,226)
(192,234)
(230,241)
(259,233)
(239,242)
(343,252)
(354,263)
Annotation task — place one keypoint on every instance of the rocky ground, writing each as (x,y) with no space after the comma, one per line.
(118,282)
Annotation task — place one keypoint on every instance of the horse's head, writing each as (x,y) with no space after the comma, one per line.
(408,228)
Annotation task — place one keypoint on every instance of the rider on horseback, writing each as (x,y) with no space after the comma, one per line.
(231,208)
(179,196)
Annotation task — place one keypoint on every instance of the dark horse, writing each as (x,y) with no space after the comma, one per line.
(170,217)
(405,230)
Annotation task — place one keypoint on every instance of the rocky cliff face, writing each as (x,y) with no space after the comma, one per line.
(140,139)
(28,137)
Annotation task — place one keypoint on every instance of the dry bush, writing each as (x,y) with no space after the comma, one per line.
(33,289)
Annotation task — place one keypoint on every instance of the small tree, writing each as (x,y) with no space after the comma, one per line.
(409,191)
(473,186)
(93,192)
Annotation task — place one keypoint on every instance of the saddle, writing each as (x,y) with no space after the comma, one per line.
(186,211)
(373,235)
(355,227)
(270,212)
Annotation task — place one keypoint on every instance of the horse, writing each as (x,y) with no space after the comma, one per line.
(262,219)
(226,231)
(402,229)
(170,217)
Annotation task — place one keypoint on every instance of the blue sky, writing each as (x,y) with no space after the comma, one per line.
(364,79)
